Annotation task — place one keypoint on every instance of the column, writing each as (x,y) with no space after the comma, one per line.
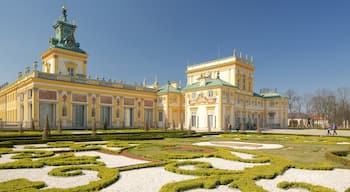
(69,109)
(35,106)
(99,122)
(89,111)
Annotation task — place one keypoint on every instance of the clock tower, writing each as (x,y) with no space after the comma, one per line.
(64,55)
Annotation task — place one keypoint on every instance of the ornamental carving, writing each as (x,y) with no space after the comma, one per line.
(106,100)
(47,95)
(148,103)
(79,98)
(128,101)
(201,100)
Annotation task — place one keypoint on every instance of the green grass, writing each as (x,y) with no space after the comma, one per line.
(308,153)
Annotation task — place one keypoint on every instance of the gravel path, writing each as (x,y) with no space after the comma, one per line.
(41,148)
(337,179)
(221,188)
(240,145)
(145,180)
(40,174)
(243,155)
(225,164)
(112,160)
(305,131)
(6,158)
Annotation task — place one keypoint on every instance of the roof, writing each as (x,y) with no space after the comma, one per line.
(209,83)
(168,89)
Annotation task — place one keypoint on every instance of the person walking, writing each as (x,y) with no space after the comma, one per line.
(335,129)
(328,127)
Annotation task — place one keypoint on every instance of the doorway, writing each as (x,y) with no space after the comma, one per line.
(47,110)
(129,117)
(106,115)
(79,114)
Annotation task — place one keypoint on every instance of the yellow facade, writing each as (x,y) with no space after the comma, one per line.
(220,94)
(62,93)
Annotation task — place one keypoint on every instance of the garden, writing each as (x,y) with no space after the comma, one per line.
(170,161)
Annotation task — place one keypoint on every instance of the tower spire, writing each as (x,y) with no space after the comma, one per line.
(64,13)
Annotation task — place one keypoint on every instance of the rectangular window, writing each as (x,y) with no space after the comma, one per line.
(70,71)
(160,116)
(160,100)
(193,119)
(210,93)
(243,82)
(194,95)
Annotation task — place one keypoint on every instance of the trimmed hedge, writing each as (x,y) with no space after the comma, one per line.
(32,154)
(108,176)
(202,169)
(5,151)
(208,182)
(20,185)
(312,188)
(338,156)
(63,159)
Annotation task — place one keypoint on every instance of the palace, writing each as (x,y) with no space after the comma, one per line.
(218,94)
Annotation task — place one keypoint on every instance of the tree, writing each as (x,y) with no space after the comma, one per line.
(343,94)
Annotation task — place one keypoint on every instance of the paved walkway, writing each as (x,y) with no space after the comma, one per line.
(306,131)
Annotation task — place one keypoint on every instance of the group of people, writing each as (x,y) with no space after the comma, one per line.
(330,128)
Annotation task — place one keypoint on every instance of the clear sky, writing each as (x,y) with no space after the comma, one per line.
(298,44)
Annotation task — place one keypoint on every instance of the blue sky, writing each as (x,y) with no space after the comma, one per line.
(303,45)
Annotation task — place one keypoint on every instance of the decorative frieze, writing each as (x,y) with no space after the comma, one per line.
(79,97)
(106,100)
(129,101)
(47,95)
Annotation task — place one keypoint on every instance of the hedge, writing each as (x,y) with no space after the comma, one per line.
(108,176)
(338,156)
(208,182)
(202,169)
(20,185)
(32,154)
(312,188)
(63,159)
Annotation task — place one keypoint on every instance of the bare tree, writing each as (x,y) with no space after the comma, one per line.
(291,94)
(343,94)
